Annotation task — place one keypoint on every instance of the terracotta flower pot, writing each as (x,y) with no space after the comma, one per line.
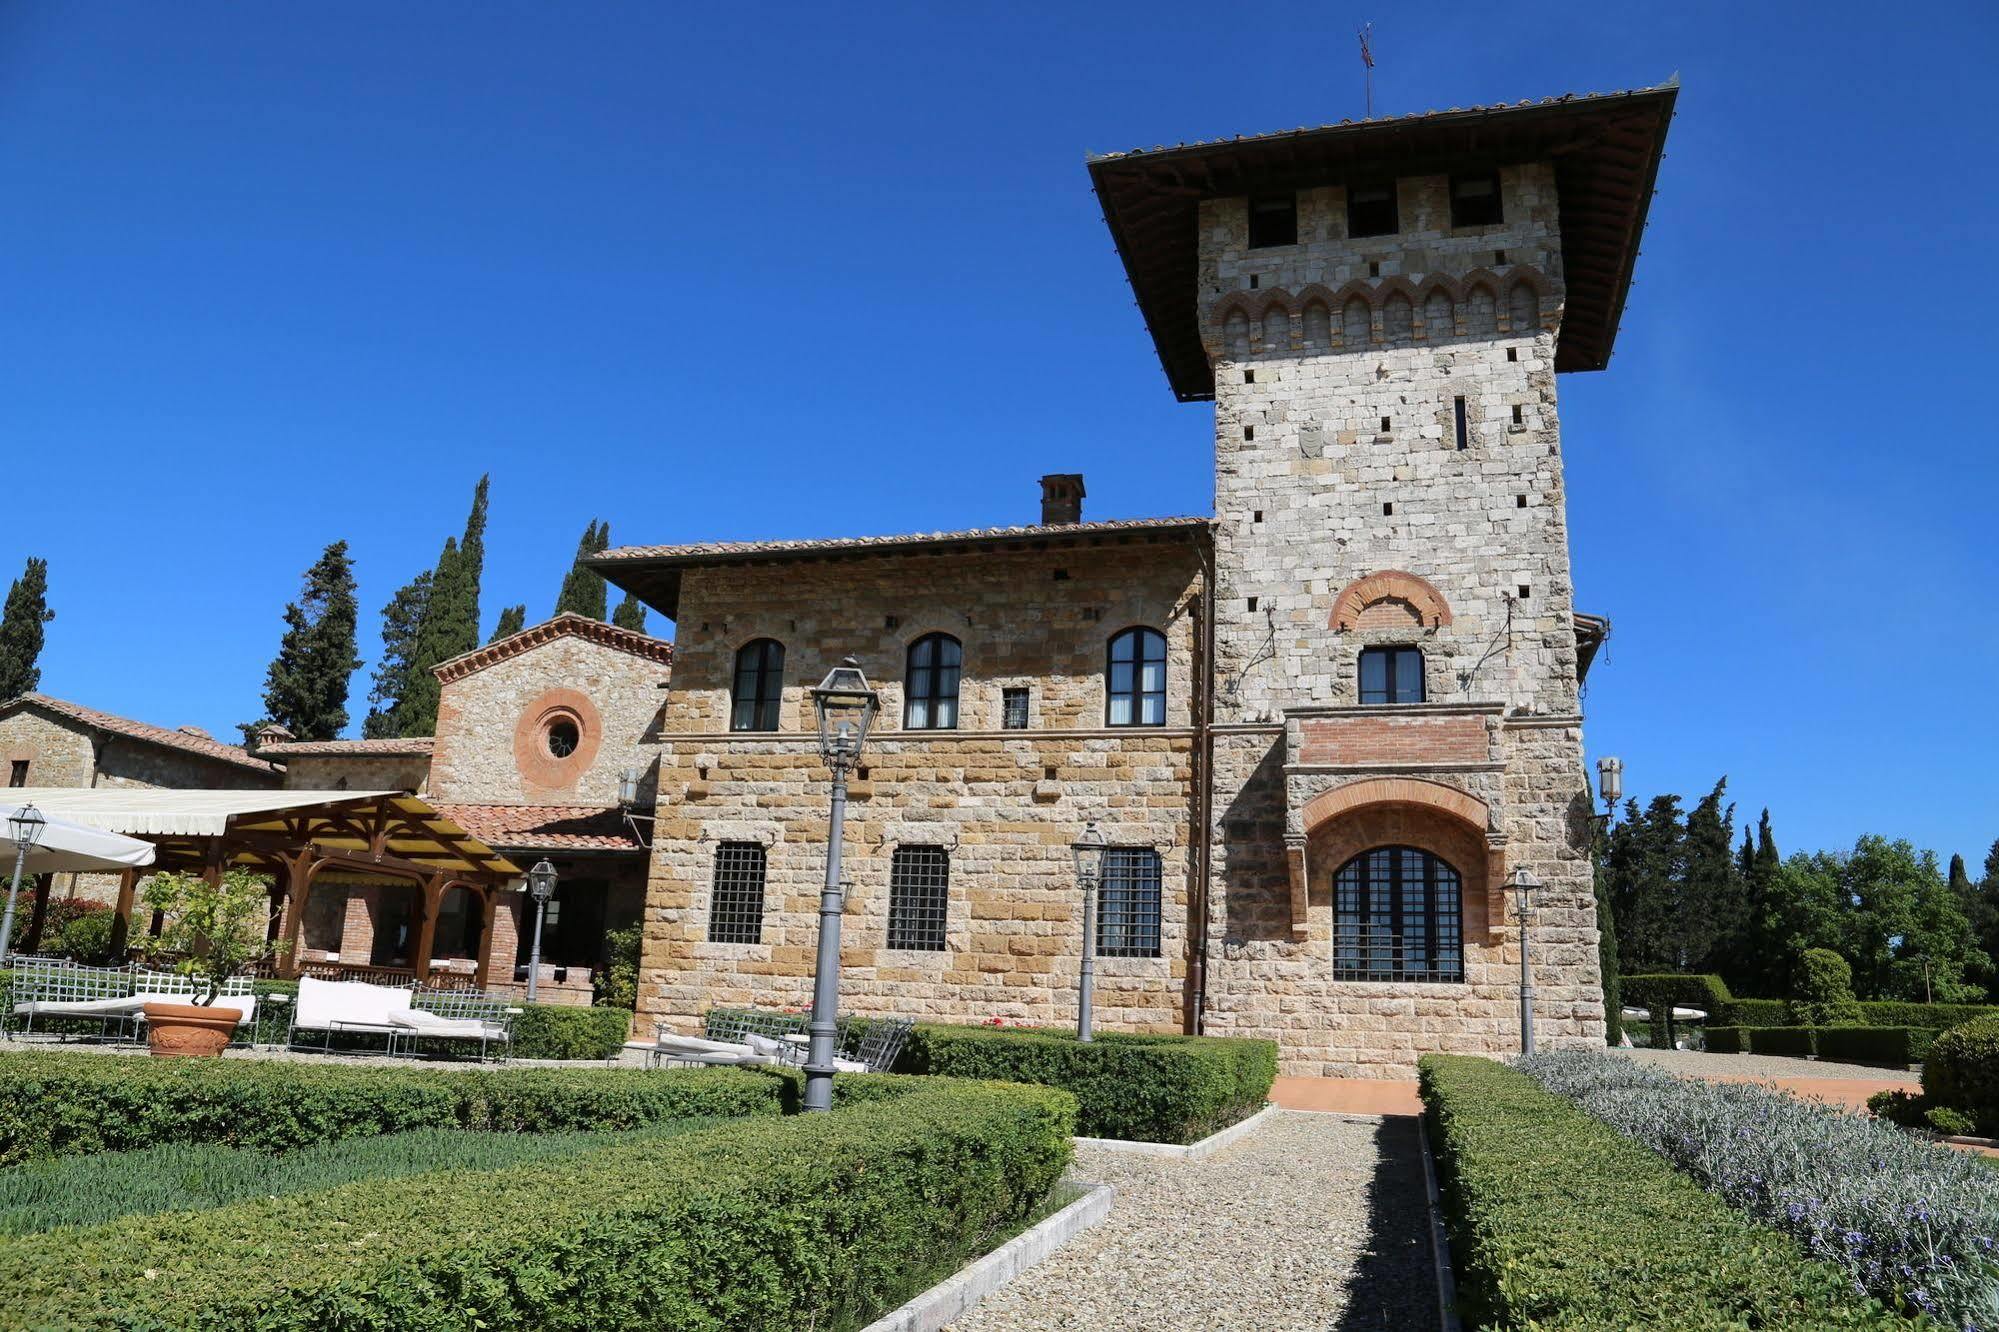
(177,1030)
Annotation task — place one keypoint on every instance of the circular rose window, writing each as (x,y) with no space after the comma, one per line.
(561,738)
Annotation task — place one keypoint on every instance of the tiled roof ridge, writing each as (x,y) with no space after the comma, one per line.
(1524,103)
(538,827)
(568,624)
(159,735)
(394,745)
(973,534)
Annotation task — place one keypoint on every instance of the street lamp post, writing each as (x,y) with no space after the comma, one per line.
(1089,853)
(846,708)
(541,887)
(27,825)
(1523,885)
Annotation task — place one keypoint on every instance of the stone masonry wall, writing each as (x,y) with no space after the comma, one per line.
(357,772)
(1004,804)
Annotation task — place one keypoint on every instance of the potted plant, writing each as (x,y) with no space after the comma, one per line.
(210,932)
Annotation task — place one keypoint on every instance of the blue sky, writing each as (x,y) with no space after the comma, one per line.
(276,275)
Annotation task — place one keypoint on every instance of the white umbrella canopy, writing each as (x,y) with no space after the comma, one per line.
(72,846)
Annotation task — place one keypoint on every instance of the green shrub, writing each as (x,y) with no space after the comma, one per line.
(1661,993)
(1915,1111)
(1796,1042)
(767,1225)
(617,984)
(1758,1013)
(1822,990)
(59,1104)
(1557,1221)
(1951,1123)
(1148,1088)
(1726,1040)
(1929,1017)
(1962,1073)
(1892,1047)
(556,1031)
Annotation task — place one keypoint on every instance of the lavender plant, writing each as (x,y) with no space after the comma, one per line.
(1911,1223)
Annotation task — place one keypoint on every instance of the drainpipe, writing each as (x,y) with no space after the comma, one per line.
(1204,790)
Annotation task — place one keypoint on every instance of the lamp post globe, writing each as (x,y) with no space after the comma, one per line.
(1524,885)
(26,826)
(541,887)
(1610,782)
(1088,852)
(846,707)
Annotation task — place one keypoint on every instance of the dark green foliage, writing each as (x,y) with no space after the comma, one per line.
(584,591)
(630,614)
(1914,1111)
(89,1190)
(1725,1040)
(1822,990)
(1642,866)
(512,620)
(1891,1047)
(618,983)
(1174,1089)
(1662,993)
(1962,1072)
(770,1225)
(1887,909)
(305,689)
(564,1031)
(1557,1221)
(21,630)
(1795,1042)
(59,1104)
(401,619)
(1760,1013)
(1931,1017)
(1712,891)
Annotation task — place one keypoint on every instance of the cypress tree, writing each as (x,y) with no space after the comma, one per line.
(401,619)
(513,619)
(449,625)
(305,689)
(630,614)
(1712,904)
(21,630)
(584,591)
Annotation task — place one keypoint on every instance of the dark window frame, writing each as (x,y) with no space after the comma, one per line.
(1393,682)
(759,709)
(1129,900)
(924,683)
(1478,210)
(1398,915)
(919,899)
(1273,220)
(1140,638)
(1373,217)
(1009,697)
(741,872)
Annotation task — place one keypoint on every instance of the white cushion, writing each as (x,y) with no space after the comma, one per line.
(79,1007)
(431,1024)
(764,1045)
(350,1003)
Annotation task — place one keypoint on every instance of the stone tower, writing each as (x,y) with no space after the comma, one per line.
(1379,311)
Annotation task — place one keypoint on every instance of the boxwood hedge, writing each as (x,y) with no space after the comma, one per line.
(1149,1088)
(1891,1047)
(767,1225)
(54,1104)
(1962,1073)
(1557,1221)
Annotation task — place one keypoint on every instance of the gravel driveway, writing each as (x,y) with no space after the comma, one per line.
(1697,1063)
(1312,1222)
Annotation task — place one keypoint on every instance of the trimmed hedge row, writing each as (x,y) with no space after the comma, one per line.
(1894,1047)
(57,1104)
(1164,1088)
(1558,1221)
(1711,994)
(768,1225)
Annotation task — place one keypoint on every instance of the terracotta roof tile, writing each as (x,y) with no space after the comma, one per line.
(566,625)
(414,746)
(973,535)
(158,735)
(545,827)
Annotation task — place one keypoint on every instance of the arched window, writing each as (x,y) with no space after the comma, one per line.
(1397,916)
(930,685)
(1137,679)
(1391,675)
(759,686)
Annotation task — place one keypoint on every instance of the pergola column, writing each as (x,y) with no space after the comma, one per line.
(39,915)
(121,922)
(489,900)
(298,883)
(430,897)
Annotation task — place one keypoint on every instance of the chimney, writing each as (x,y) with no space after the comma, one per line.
(271,733)
(1061,498)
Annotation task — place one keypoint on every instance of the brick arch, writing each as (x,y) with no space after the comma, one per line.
(1428,603)
(1427,828)
(1441,801)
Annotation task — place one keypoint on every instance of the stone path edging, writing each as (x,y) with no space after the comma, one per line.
(956,1294)
(1193,1151)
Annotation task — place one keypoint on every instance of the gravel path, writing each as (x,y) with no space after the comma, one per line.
(1312,1222)
(1695,1063)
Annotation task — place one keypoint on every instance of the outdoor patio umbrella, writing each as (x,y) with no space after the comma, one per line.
(73,846)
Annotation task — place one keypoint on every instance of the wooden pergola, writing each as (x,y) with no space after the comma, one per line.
(297,837)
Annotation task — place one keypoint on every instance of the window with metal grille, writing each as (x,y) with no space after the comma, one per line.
(1397,916)
(1475,200)
(1371,210)
(1391,675)
(1136,695)
(930,686)
(1273,220)
(759,686)
(1013,709)
(736,906)
(919,897)
(1128,903)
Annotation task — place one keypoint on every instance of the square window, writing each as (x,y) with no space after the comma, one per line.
(1475,200)
(1273,220)
(919,897)
(1013,709)
(1128,901)
(1371,210)
(1391,675)
(736,901)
